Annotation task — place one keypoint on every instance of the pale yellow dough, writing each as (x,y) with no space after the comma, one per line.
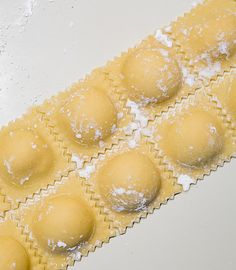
(13,255)
(63,223)
(152,74)
(195,138)
(217,36)
(89,116)
(232,97)
(225,91)
(208,32)
(129,182)
(24,155)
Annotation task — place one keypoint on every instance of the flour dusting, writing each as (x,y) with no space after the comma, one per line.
(185,181)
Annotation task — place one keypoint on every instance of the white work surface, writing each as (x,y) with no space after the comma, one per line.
(46,45)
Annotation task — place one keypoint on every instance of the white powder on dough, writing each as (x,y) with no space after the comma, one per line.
(113,129)
(196,2)
(138,114)
(61,244)
(161,85)
(185,181)
(24,179)
(79,162)
(51,244)
(101,144)
(130,128)
(147,132)
(168,29)
(132,143)
(213,129)
(164,39)
(223,48)
(164,53)
(33,145)
(188,78)
(139,126)
(122,191)
(211,70)
(138,198)
(98,134)
(7,164)
(78,136)
(87,171)
(120,115)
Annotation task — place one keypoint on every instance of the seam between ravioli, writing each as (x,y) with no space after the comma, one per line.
(28,241)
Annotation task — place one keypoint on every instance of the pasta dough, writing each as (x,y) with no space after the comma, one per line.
(89,116)
(207,36)
(225,92)
(129,181)
(24,156)
(152,74)
(63,223)
(13,255)
(195,138)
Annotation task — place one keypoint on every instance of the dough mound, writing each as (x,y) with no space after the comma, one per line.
(129,182)
(13,255)
(24,155)
(152,74)
(63,223)
(195,138)
(89,117)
